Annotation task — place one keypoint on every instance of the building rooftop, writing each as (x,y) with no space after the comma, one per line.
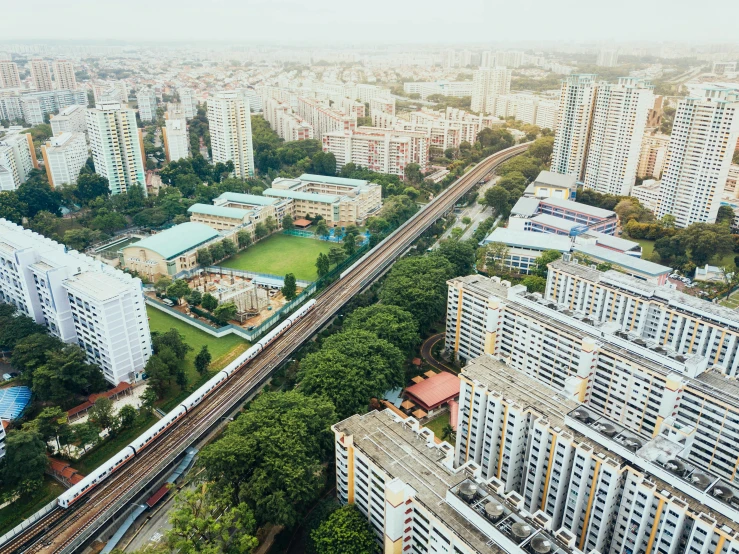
(609,241)
(547,178)
(94,284)
(529,239)
(309,196)
(64,140)
(177,240)
(249,199)
(434,391)
(333,180)
(527,206)
(579,207)
(221,211)
(557,222)
(620,259)
(483,285)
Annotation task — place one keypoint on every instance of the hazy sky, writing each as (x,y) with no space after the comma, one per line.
(378,21)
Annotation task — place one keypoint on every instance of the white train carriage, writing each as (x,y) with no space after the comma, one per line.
(76,492)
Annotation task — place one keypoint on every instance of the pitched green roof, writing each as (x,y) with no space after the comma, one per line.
(177,240)
(333,180)
(209,209)
(247,199)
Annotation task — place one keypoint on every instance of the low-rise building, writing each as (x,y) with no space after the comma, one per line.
(64,157)
(79,299)
(339,201)
(523,248)
(169,253)
(553,185)
(561,217)
(649,194)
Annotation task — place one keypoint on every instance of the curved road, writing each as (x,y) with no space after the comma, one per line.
(427,354)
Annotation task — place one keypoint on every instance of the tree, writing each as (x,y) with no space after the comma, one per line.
(336,255)
(162,284)
(14,327)
(225,312)
(209,302)
(108,221)
(418,285)
(350,368)
(345,530)
(527,166)
(499,200)
(350,244)
(547,257)
(725,215)
(101,413)
(202,360)
(706,241)
(669,248)
(244,238)
(79,239)
(52,423)
(159,375)
(413,174)
(91,186)
(260,231)
(31,352)
(194,297)
(38,196)
(11,208)
(178,289)
(44,223)
(324,163)
(287,222)
(25,461)
(323,265)
(388,322)
(65,373)
(127,415)
(322,229)
(461,254)
(85,434)
(216,251)
(541,149)
(203,522)
(204,257)
(148,398)
(173,340)
(289,287)
(534,283)
(229,248)
(493,256)
(278,479)
(270,224)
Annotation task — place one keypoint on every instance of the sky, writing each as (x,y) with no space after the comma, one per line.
(371,21)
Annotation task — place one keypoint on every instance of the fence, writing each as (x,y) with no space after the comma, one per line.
(260,278)
(333,237)
(29,522)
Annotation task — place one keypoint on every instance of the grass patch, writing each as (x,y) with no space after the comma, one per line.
(647,249)
(281,254)
(14,513)
(101,453)
(438,423)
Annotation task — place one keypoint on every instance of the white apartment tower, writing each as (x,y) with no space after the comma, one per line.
(607,58)
(64,75)
(704,136)
(188,101)
(116,146)
(619,119)
(41,75)
(229,117)
(17,159)
(72,119)
(147,102)
(9,75)
(573,125)
(64,156)
(79,299)
(487,85)
(176,139)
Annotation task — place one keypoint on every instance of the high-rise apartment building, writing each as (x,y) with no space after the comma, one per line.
(487,85)
(79,299)
(229,118)
(72,119)
(17,158)
(9,75)
(607,58)
(382,105)
(188,102)
(111,91)
(618,122)
(653,155)
(36,105)
(64,156)
(64,76)
(147,103)
(704,136)
(324,119)
(176,139)
(41,75)
(512,59)
(573,125)
(284,122)
(116,145)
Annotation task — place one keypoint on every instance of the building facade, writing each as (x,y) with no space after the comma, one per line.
(41,75)
(573,125)
(116,145)
(323,119)
(147,103)
(72,119)
(64,157)
(9,75)
(176,139)
(487,85)
(17,158)
(229,118)
(80,300)
(36,105)
(288,125)
(64,77)
(703,139)
(653,156)
(188,101)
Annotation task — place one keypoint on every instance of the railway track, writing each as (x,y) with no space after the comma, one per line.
(64,531)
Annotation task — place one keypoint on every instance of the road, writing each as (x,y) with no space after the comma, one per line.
(476,212)
(66,531)
(427,353)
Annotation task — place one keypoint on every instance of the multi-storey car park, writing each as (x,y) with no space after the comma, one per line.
(652,359)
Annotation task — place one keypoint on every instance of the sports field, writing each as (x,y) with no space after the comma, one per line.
(281,254)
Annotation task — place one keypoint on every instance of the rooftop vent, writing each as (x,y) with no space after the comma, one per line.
(521,530)
(541,545)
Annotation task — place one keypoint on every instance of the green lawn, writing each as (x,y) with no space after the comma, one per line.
(438,423)
(281,254)
(13,514)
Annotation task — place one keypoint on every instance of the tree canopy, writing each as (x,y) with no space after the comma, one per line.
(388,322)
(345,530)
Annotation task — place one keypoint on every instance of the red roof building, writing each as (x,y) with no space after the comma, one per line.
(435,391)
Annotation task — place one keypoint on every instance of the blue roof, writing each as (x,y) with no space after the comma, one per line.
(209,209)
(13,401)
(333,180)
(247,199)
(177,240)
